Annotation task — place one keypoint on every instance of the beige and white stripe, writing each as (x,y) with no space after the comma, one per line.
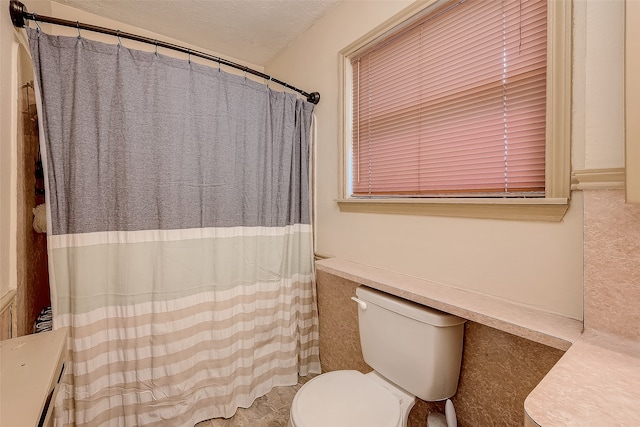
(181,356)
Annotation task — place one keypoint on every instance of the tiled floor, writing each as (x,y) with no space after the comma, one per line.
(270,410)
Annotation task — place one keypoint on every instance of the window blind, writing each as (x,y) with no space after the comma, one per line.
(455,104)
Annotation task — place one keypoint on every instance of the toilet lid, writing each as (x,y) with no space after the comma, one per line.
(344,399)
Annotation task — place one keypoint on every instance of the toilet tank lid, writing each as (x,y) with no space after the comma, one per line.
(410,309)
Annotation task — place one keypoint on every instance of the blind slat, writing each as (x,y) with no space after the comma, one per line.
(456,103)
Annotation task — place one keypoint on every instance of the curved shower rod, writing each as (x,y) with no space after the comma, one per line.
(19,15)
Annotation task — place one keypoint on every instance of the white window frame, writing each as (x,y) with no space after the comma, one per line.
(558,131)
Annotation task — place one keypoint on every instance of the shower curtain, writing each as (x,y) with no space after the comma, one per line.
(180,246)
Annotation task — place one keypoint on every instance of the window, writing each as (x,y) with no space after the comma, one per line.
(461,108)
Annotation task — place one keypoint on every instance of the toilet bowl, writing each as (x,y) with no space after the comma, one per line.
(350,399)
(415,351)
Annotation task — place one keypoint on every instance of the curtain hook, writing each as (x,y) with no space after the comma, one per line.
(118,35)
(78,27)
(245,73)
(269,81)
(219,64)
(156,47)
(189,53)
(35,19)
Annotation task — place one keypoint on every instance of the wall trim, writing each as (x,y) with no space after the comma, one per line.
(7,299)
(597,179)
(533,209)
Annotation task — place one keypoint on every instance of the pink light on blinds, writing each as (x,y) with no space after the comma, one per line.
(454,104)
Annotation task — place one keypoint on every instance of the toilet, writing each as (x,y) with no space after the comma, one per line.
(415,351)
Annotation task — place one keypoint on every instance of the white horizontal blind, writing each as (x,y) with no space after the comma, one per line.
(456,104)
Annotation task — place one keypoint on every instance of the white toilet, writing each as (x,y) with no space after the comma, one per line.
(415,351)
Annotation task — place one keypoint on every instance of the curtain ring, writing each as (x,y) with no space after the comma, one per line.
(118,35)
(78,27)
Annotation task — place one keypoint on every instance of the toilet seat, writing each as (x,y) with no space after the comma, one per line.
(344,399)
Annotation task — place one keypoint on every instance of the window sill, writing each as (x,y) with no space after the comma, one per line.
(543,209)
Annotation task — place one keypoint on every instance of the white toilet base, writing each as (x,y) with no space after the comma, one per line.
(406,399)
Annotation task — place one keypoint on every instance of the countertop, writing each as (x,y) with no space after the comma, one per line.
(30,367)
(518,319)
(595,383)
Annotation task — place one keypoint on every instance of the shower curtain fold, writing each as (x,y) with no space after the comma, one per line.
(180,244)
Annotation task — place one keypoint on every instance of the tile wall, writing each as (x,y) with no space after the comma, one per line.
(612,263)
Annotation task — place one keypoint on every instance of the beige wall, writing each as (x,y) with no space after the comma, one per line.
(534,263)
(66,12)
(8,132)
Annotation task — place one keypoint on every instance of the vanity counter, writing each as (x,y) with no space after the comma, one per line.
(595,383)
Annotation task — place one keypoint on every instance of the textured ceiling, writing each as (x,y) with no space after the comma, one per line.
(250,30)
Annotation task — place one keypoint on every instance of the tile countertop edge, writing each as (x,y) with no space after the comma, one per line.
(527,322)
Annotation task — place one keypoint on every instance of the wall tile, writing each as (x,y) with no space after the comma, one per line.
(499,370)
(338,315)
(612,263)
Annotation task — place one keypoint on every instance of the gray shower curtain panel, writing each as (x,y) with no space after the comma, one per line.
(180,243)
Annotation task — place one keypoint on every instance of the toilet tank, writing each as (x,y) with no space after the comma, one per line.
(415,347)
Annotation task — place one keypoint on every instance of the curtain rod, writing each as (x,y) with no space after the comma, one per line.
(19,14)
